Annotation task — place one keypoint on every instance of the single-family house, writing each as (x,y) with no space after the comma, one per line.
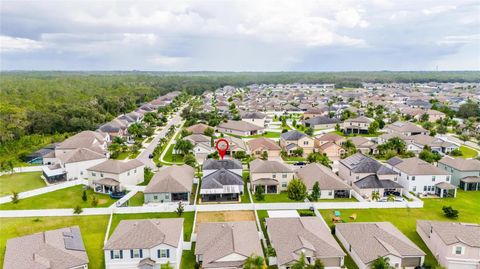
(358,125)
(465,172)
(367,176)
(417,143)
(292,140)
(226,244)
(57,249)
(330,144)
(201,146)
(222,181)
(260,145)
(367,241)
(112,176)
(145,243)
(331,186)
(198,128)
(273,176)
(405,128)
(256,118)
(170,184)
(321,122)
(241,128)
(420,177)
(364,145)
(453,244)
(290,237)
(315,112)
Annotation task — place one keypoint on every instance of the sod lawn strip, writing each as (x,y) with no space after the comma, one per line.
(20,182)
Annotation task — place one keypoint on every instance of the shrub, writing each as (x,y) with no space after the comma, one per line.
(84,196)
(296,190)
(77,210)
(15,199)
(94,200)
(259,193)
(449,212)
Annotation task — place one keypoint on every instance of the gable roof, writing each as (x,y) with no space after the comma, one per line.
(370,240)
(405,127)
(145,233)
(453,232)
(461,163)
(80,155)
(198,138)
(216,240)
(53,249)
(85,139)
(116,166)
(261,166)
(330,137)
(239,126)
(322,120)
(360,163)
(253,115)
(198,128)
(327,180)
(289,235)
(263,143)
(416,166)
(172,179)
(292,135)
(361,119)
(373,182)
(211,164)
(220,178)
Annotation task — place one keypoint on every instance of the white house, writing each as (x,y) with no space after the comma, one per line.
(422,178)
(112,175)
(146,243)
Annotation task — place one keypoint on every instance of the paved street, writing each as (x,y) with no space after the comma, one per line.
(143,157)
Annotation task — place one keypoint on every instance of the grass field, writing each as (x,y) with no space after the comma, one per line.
(267,135)
(64,198)
(188,258)
(225,216)
(92,227)
(20,182)
(173,158)
(405,219)
(282,197)
(468,152)
(245,198)
(136,200)
(187,223)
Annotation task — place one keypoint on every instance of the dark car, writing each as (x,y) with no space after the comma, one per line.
(299,163)
(150,156)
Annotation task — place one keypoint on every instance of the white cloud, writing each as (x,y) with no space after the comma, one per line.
(167,61)
(460,39)
(11,44)
(350,18)
(438,10)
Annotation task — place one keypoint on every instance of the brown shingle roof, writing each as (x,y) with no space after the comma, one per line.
(327,180)
(80,155)
(263,143)
(453,232)
(172,179)
(239,126)
(461,163)
(116,166)
(416,166)
(261,166)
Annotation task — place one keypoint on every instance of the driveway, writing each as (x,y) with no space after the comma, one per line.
(143,156)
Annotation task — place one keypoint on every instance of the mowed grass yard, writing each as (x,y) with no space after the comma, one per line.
(92,227)
(282,197)
(136,200)
(20,182)
(64,198)
(468,152)
(405,219)
(225,216)
(187,223)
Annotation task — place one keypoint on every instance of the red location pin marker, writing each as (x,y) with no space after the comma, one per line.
(222,146)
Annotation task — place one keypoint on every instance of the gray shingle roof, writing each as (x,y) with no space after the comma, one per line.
(453,232)
(327,180)
(80,155)
(292,135)
(288,235)
(261,166)
(360,163)
(172,179)
(416,166)
(322,120)
(372,182)
(370,240)
(211,164)
(54,249)
(145,233)
(116,166)
(220,178)
(461,163)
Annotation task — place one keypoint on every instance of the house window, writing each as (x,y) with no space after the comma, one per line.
(330,193)
(81,173)
(424,188)
(448,178)
(135,171)
(116,254)
(305,143)
(167,196)
(163,253)
(284,176)
(284,184)
(414,188)
(155,197)
(458,250)
(101,174)
(94,174)
(136,253)
(128,173)
(274,176)
(433,178)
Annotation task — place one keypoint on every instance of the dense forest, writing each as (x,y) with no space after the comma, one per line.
(42,107)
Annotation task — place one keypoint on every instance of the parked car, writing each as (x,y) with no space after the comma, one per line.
(150,156)
(299,163)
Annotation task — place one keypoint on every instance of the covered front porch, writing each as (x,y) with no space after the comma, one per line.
(471,183)
(106,185)
(445,189)
(270,185)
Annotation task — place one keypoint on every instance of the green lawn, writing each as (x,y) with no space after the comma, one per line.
(173,158)
(187,224)
(20,182)
(122,155)
(266,134)
(405,219)
(468,152)
(188,258)
(136,200)
(293,159)
(352,135)
(92,227)
(64,198)
(245,198)
(282,197)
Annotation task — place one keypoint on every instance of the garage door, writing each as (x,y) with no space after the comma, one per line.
(453,265)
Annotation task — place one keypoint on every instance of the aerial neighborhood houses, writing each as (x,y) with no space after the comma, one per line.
(294,140)
(170,184)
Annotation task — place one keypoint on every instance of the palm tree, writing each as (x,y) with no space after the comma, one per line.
(375,196)
(254,262)
(300,263)
(381,263)
(391,197)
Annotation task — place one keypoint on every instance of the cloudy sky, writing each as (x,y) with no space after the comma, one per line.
(256,35)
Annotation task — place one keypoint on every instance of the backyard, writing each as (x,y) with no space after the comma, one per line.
(468,152)
(20,182)
(136,200)
(92,227)
(225,216)
(64,198)
(405,219)
(282,197)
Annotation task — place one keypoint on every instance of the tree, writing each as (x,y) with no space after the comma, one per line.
(166,266)
(464,138)
(429,156)
(373,127)
(449,212)
(316,157)
(264,155)
(180,209)
(255,262)
(77,210)
(94,200)
(183,146)
(15,199)
(469,109)
(349,147)
(189,159)
(391,197)
(424,117)
(318,264)
(84,196)
(209,131)
(456,152)
(296,190)
(315,195)
(375,196)
(337,127)
(309,131)
(381,263)
(259,193)
(300,263)
(297,152)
